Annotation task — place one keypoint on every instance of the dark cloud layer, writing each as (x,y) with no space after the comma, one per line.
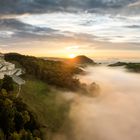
(40,6)
(21,31)
(15,30)
(15,25)
(134,26)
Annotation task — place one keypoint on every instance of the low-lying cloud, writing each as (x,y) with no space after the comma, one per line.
(114,114)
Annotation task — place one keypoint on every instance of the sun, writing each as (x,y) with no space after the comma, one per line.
(72,55)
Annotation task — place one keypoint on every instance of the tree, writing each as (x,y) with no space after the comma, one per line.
(7,84)
(15,117)
(15,136)
(1,135)
(54,73)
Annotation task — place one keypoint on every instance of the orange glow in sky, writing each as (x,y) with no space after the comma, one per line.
(72,55)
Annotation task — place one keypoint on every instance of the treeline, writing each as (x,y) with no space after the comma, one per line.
(7,84)
(17,122)
(54,73)
(134,67)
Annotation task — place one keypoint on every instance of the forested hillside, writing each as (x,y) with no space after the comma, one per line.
(133,67)
(17,122)
(54,73)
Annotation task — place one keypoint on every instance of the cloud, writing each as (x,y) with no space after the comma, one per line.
(14,24)
(134,26)
(97,31)
(13,27)
(92,26)
(43,6)
(135,4)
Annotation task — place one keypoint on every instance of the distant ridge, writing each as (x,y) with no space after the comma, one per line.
(133,67)
(82,59)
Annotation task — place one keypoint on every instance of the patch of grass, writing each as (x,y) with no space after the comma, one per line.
(51,109)
(16,87)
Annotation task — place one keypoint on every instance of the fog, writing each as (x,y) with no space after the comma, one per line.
(112,115)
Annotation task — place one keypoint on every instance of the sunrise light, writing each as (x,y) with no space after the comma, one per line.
(72,55)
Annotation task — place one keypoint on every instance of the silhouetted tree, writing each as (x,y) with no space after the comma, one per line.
(7,84)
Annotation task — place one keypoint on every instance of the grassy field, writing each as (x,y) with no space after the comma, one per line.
(50,108)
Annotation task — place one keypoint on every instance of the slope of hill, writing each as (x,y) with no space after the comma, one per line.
(46,80)
(82,60)
(53,73)
(17,121)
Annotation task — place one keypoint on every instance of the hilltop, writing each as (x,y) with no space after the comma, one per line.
(82,60)
(54,73)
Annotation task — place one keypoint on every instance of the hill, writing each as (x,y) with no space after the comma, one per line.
(133,67)
(54,73)
(118,64)
(17,121)
(82,60)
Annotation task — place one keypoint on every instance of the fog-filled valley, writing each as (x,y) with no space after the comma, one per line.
(76,99)
(113,114)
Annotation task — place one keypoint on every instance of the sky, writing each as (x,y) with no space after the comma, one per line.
(66,28)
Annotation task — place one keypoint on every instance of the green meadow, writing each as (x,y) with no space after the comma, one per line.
(45,101)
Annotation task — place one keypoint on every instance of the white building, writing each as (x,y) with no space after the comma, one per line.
(9,69)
